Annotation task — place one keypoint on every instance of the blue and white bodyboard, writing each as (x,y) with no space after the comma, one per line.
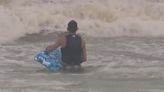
(51,61)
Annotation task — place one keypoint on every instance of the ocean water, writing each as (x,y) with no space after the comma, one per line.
(125,45)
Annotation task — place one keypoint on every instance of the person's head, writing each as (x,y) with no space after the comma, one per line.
(72,26)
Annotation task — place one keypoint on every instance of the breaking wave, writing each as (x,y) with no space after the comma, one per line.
(96,18)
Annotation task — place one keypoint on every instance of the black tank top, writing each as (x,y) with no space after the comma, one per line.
(72,52)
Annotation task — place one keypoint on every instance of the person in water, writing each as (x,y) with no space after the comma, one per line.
(72,46)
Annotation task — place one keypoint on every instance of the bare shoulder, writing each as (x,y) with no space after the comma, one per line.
(81,36)
(82,39)
(78,34)
(61,40)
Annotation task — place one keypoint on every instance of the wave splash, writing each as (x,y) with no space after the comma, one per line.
(96,18)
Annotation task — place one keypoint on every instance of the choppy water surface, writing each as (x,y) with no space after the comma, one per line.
(119,64)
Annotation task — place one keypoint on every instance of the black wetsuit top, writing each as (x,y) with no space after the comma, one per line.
(72,52)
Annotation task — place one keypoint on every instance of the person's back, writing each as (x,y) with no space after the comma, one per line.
(72,52)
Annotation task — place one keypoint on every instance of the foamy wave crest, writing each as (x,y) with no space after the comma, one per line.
(10,26)
(103,18)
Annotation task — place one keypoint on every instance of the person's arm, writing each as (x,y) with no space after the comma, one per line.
(54,46)
(84,51)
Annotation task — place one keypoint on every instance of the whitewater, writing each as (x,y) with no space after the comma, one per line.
(124,39)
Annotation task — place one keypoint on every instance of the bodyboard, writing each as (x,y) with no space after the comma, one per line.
(51,61)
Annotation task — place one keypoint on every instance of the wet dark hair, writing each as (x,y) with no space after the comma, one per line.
(72,26)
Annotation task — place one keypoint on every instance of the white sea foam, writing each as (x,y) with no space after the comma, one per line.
(96,18)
